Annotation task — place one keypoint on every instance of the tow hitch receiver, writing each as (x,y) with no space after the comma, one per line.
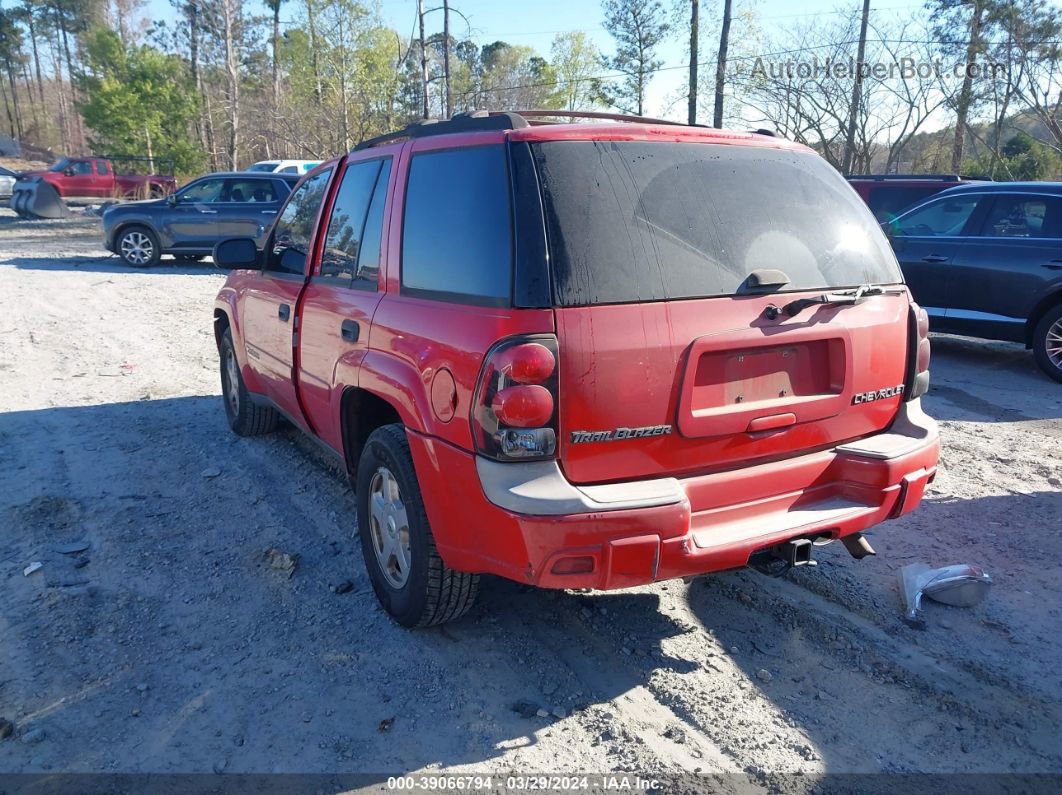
(796,552)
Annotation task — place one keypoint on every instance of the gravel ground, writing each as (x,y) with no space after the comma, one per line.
(171,645)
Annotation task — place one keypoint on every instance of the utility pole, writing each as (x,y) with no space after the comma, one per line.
(720,66)
(694,35)
(446,58)
(423,57)
(857,85)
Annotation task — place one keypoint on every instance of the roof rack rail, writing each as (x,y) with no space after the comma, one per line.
(473,121)
(927,177)
(594,114)
(478,120)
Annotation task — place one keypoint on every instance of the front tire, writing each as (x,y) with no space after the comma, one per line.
(1047,343)
(409,577)
(245,417)
(138,247)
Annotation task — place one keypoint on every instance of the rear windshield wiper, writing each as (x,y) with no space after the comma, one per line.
(845,298)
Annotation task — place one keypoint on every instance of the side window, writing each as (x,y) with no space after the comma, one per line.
(289,170)
(367,275)
(945,217)
(292,234)
(456,235)
(102,168)
(346,227)
(1019,215)
(259,191)
(82,168)
(204,192)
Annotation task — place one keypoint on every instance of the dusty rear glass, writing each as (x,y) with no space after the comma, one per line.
(634,221)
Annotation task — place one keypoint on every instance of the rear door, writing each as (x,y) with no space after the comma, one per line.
(268,305)
(344,289)
(1005,266)
(670,362)
(104,183)
(248,207)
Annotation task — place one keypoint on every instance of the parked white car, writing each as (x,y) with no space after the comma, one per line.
(284,166)
(7,182)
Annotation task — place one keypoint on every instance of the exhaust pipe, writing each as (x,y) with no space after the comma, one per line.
(858,546)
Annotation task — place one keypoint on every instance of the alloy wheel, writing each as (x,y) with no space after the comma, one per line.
(1054,343)
(389,527)
(137,248)
(232,382)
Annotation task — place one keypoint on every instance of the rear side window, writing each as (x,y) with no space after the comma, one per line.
(292,235)
(258,191)
(101,168)
(1019,215)
(348,240)
(643,221)
(456,235)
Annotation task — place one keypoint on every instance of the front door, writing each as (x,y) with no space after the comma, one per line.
(191,221)
(343,292)
(268,305)
(925,241)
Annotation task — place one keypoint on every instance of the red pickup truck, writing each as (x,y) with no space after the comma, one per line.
(96,178)
(590,355)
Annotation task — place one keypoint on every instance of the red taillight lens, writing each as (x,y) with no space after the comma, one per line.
(917,382)
(514,414)
(528,362)
(523,406)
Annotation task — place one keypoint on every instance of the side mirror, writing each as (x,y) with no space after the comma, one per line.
(68,172)
(237,253)
(172,200)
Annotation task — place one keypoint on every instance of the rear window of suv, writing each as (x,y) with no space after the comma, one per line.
(638,221)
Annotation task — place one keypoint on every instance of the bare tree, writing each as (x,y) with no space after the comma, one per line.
(720,65)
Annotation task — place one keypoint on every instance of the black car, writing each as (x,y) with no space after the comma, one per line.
(189,223)
(985,260)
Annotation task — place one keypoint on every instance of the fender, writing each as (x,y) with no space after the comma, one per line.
(391,379)
(1043,305)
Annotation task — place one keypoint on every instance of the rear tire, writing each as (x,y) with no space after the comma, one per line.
(138,247)
(1047,343)
(245,417)
(409,577)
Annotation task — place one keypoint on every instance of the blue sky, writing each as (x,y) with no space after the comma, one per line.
(536,23)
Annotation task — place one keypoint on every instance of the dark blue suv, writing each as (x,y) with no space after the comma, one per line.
(187,224)
(985,260)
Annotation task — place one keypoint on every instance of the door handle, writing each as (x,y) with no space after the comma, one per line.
(934,258)
(1054,265)
(269,212)
(209,212)
(350,330)
(284,312)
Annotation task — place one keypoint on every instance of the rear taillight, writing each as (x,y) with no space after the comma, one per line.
(917,381)
(514,414)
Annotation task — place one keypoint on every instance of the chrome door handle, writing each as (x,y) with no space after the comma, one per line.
(269,212)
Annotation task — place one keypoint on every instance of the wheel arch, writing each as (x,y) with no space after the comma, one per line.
(1045,305)
(360,413)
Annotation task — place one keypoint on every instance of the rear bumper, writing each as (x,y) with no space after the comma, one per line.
(530,527)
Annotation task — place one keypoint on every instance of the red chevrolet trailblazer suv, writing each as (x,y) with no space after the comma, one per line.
(589,355)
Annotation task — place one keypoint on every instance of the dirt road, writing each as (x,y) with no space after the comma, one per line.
(176,647)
